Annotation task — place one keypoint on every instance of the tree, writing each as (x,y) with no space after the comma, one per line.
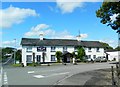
(108,10)
(58,55)
(107,46)
(7,50)
(80,53)
(18,55)
(117,48)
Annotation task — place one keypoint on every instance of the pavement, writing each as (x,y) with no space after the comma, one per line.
(56,74)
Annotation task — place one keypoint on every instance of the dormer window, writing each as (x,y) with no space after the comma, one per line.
(89,49)
(53,49)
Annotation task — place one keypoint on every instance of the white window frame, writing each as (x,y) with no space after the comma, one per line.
(64,48)
(53,59)
(53,48)
(29,49)
(89,49)
(28,59)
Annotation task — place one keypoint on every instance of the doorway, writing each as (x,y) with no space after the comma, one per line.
(38,58)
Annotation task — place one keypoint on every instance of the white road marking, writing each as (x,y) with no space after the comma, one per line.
(1,76)
(5,79)
(41,76)
(38,76)
(31,72)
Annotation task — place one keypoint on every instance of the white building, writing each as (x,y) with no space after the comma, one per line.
(43,50)
(113,55)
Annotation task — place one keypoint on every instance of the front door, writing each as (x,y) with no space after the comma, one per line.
(38,58)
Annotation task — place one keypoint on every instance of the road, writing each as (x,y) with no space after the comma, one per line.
(47,75)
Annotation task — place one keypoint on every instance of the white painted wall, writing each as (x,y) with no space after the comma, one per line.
(94,52)
(58,48)
(114,54)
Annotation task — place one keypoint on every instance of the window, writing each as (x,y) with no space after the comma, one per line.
(52,49)
(75,49)
(94,56)
(29,58)
(53,58)
(89,49)
(89,56)
(29,49)
(97,50)
(64,48)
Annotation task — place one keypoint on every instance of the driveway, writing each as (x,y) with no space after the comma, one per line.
(55,74)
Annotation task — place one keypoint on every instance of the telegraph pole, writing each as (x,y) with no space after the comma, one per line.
(14,50)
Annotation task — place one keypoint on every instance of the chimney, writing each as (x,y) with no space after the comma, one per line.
(78,37)
(41,36)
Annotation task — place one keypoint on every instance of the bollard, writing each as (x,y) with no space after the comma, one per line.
(113,79)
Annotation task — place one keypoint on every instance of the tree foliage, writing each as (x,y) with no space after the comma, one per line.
(9,50)
(58,55)
(80,53)
(107,46)
(117,48)
(108,10)
(19,55)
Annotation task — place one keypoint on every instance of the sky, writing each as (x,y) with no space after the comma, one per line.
(55,20)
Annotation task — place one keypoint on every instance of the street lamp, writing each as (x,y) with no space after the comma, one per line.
(14,50)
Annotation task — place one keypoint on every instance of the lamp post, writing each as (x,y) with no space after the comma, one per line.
(14,50)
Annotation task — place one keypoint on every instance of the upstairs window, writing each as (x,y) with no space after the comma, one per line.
(89,49)
(98,50)
(53,49)
(65,48)
(29,49)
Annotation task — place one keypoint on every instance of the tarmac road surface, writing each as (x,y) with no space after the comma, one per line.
(55,74)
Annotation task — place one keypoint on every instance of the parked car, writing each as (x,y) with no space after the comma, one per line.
(100,59)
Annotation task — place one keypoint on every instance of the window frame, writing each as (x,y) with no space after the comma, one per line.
(29,49)
(89,49)
(53,59)
(53,49)
(64,48)
(28,58)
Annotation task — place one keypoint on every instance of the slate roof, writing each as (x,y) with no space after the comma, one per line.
(59,42)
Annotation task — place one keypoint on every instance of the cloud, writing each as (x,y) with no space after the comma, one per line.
(84,35)
(8,43)
(113,18)
(14,15)
(69,6)
(35,31)
(51,33)
(111,42)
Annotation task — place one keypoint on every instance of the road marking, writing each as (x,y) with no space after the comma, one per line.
(38,76)
(5,79)
(43,76)
(1,77)
(31,72)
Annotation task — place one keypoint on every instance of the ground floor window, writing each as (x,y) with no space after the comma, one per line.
(29,58)
(94,56)
(53,58)
(89,56)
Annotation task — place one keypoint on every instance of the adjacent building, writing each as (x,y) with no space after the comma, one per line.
(43,50)
(113,55)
